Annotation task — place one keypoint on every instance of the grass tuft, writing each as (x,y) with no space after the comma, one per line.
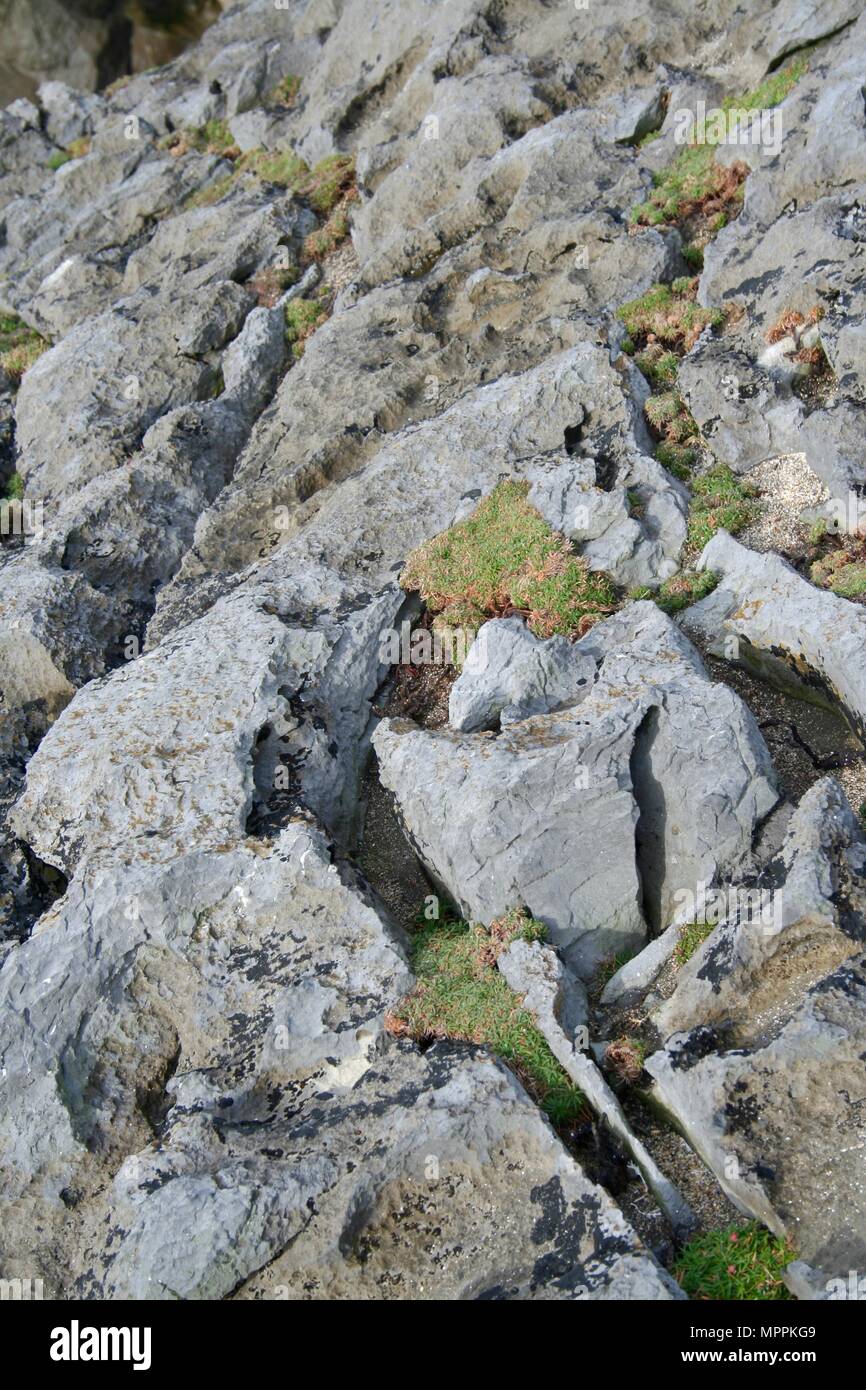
(303,317)
(19,347)
(699,195)
(505,559)
(739,1263)
(719,501)
(692,935)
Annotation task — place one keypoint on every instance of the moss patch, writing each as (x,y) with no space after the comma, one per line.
(461,995)
(14,488)
(19,347)
(741,1262)
(505,559)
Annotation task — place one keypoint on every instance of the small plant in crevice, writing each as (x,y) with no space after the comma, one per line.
(667,316)
(692,935)
(672,424)
(505,559)
(609,967)
(20,346)
(303,317)
(697,193)
(720,500)
(681,590)
(739,1263)
(270,284)
(661,326)
(624,1057)
(842,567)
(285,93)
(13,488)
(796,335)
(460,995)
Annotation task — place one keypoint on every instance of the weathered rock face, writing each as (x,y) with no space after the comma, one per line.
(201,1097)
(244,990)
(594,816)
(764,615)
(763,1065)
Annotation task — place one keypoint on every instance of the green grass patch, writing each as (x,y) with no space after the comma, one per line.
(667,317)
(461,995)
(504,558)
(303,317)
(281,167)
(685,588)
(697,192)
(327,182)
(692,934)
(719,501)
(842,571)
(738,1263)
(19,347)
(14,488)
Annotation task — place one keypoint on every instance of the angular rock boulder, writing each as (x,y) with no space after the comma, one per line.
(595,815)
(763,1068)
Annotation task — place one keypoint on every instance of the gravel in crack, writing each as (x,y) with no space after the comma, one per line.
(787,486)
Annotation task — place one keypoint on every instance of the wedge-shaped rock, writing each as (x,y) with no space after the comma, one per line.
(596,815)
(764,1066)
(765,616)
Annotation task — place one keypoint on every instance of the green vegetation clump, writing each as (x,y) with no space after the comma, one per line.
(286,91)
(19,347)
(843,571)
(625,1058)
(679,591)
(692,934)
(14,488)
(281,167)
(461,995)
(504,558)
(328,188)
(661,326)
(329,181)
(303,317)
(667,315)
(214,137)
(685,588)
(719,501)
(673,425)
(697,193)
(739,1263)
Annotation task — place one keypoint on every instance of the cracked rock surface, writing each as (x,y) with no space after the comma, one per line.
(203,1094)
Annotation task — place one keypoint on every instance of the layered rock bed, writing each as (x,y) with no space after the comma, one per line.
(432,675)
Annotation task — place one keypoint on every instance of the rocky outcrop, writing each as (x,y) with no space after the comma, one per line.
(766,616)
(596,815)
(203,1093)
(763,1064)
